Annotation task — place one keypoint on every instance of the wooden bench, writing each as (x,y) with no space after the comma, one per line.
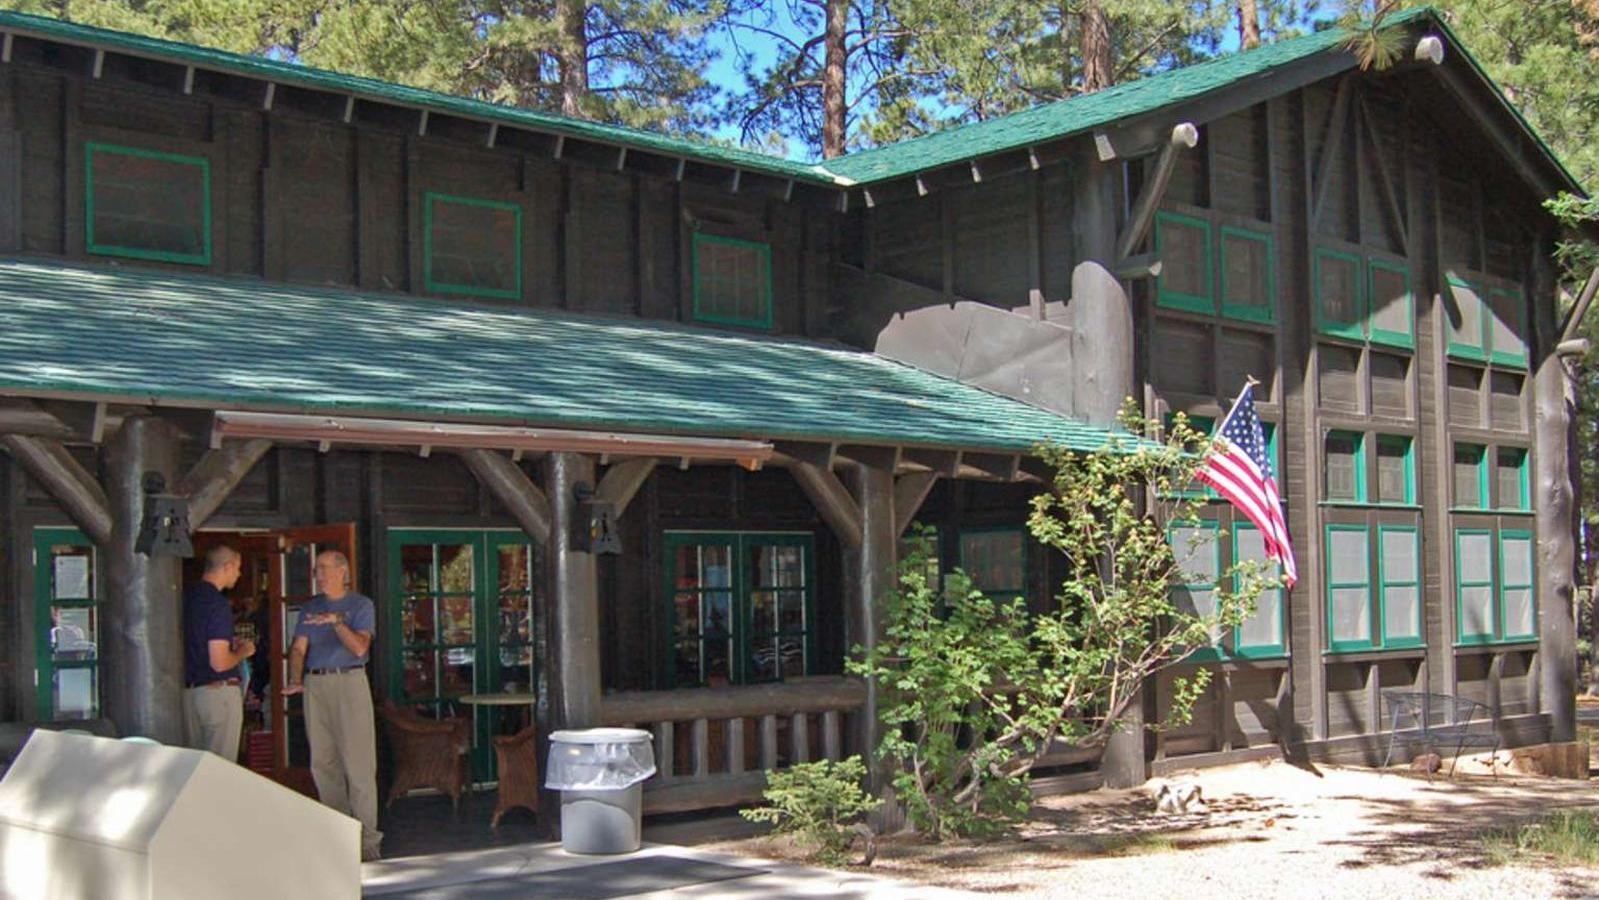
(1440,721)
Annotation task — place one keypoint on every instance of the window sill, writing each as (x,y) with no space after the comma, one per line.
(1483,511)
(1237,663)
(1361,504)
(1351,656)
(1495,647)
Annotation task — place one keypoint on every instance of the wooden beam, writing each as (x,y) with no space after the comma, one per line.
(816,454)
(28,418)
(1143,265)
(1332,146)
(1184,136)
(271,94)
(188,79)
(67,482)
(832,500)
(349,109)
(493,136)
(214,477)
(511,486)
(621,158)
(623,480)
(1579,309)
(5,47)
(1385,180)
(1500,126)
(87,420)
(943,462)
(816,695)
(910,490)
(885,458)
(1002,466)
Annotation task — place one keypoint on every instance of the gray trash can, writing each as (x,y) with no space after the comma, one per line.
(600,773)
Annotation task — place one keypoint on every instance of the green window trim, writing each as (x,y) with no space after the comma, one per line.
(1241,650)
(1362,495)
(1384,583)
(1409,445)
(764,251)
(1004,593)
(1523,500)
(1509,359)
(91,245)
(1477,352)
(1355,330)
(1215,650)
(1484,498)
(741,589)
(1462,637)
(1505,584)
(436,286)
(1372,626)
(44,653)
(1405,340)
(1266,314)
(1170,299)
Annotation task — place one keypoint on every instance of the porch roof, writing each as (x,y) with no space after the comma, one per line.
(130,335)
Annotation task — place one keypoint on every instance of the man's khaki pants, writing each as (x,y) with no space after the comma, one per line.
(213,716)
(344,757)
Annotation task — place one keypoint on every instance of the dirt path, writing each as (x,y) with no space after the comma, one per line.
(1272,831)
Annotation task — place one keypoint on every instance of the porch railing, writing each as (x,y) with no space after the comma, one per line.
(714,745)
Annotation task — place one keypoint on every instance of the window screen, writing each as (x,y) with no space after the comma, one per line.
(1511,478)
(996,562)
(1338,294)
(1263,629)
(1468,476)
(1516,593)
(474,247)
(1464,314)
(1474,583)
(1199,563)
(732,281)
(1509,345)
(1246,275)
(1183,245)
(1393,470)
(1391,317)
(1342,467)
(147,204)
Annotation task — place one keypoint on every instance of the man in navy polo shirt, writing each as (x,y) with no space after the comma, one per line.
(213,702)
(327,660)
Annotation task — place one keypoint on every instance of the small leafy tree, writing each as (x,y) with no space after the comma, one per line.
(978,689)
(819,801)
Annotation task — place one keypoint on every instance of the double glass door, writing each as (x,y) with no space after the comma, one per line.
(462,615)
(67,639)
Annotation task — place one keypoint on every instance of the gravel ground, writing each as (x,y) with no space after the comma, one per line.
(1272,831)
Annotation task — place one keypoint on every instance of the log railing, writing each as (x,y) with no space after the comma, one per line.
(714,745)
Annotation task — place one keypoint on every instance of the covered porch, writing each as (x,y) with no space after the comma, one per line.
(465,443)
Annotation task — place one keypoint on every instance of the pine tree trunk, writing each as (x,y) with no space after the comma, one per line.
(574,55)
(1248,24)
(1096,47)
(833,80)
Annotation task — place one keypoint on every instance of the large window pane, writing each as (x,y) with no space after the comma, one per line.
(1516,574)
(1468,476)
(1401,580)
(1263,628)
(1393,470)
(1351,615)
(1348,557)
(995,561)
(1338,301)
(1474,562)
(148,205)
(1510,478)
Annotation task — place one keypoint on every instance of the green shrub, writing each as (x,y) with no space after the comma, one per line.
(818,801)
(1566,837)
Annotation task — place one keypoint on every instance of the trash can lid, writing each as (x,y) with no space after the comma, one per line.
(600,736)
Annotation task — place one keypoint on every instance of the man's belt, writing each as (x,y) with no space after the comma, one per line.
(336,670)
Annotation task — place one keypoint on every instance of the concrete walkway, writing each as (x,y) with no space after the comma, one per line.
(658,870)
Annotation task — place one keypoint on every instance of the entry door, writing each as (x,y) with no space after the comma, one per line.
(463,615)
(291,585)
(66,583)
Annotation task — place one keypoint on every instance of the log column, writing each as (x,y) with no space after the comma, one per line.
(1101,317)
(1556,513)
(574,590)
(870,567)
(141,648)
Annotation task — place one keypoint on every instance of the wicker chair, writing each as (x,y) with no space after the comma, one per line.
(519,773)
(427,752)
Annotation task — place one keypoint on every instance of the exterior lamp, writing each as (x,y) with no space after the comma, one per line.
(164,530)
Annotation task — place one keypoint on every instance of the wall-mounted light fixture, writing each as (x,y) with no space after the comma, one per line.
(164,530)
(593,523)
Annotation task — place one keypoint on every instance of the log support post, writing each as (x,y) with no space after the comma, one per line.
(68,483)
(141,651)
(215,476)
(574,588)
(1101,319)
(1555,502)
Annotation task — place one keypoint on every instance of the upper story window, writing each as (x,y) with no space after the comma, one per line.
(732,281)
(472,246)
(996,561)
(1486,323)
(147,204)
(1190,256)
(1363,298)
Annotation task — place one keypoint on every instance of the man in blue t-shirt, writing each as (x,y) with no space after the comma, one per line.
(327,661)
(213,703)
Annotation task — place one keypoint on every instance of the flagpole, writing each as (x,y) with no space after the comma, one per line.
(1249,382)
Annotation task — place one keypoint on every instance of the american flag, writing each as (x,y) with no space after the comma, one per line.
(1240,470)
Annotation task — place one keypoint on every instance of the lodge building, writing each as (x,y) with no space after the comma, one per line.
(447,337)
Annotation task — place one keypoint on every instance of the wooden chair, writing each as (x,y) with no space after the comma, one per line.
(427,752)
(519,773)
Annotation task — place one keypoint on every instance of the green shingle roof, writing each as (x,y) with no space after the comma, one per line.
(388,92)
(1050,121)
(139,335)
